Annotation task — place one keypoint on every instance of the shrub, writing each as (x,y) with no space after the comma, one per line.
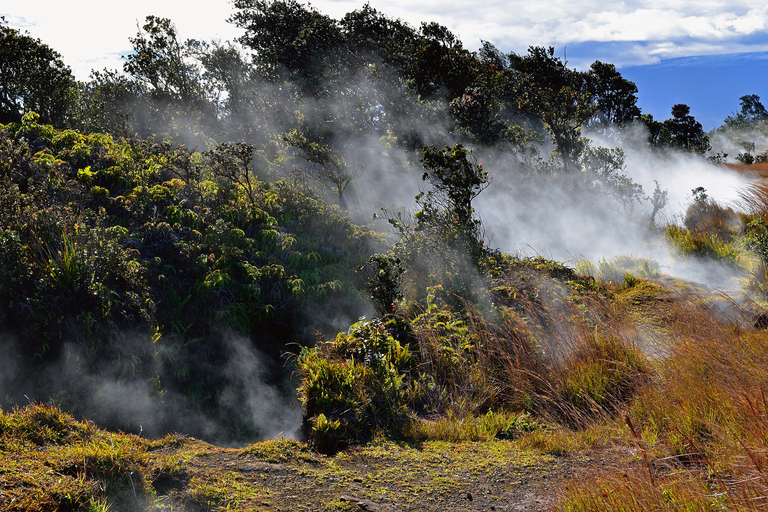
(700,244)
(354,385)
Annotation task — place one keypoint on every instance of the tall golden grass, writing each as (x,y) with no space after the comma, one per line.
(564,358)
(753,200)
(699,427)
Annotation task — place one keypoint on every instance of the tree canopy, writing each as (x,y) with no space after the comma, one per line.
(32,78)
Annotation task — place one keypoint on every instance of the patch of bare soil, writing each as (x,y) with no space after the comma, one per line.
(386,477)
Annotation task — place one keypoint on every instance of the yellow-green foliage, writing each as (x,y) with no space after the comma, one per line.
(99,235)
(485,427)
(614,269)
(701,244)
(541,348)
(354,385)
(603,373)
(52,462)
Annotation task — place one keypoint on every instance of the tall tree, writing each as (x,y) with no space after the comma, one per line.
(163,62)
(326,165)
(614,97)
(290,41)
(373,38)
(440,66)
(546,89)
(108,103)
(169,71)
(456,180)
(752,111)
(685,132)
(32,78)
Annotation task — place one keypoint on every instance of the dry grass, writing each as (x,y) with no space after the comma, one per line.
(700,429)
(753,200)
(750,170)
(564,357)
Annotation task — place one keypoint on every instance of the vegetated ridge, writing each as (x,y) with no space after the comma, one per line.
(187,243)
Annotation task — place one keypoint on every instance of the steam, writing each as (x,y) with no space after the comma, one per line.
(536,215)
(273,413)
(522,213)
(117,396)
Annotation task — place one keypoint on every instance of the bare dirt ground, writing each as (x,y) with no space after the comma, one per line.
(384,476)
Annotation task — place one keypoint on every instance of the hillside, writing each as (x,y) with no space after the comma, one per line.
(256,276)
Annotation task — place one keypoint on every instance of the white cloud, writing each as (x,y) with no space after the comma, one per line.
(93,34)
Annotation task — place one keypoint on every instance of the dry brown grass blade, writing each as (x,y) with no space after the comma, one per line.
(754,199)
(642,447)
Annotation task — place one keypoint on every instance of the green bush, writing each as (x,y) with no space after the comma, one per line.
(701,244)
(354,386)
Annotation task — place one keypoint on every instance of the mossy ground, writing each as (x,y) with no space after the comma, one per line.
(62,464)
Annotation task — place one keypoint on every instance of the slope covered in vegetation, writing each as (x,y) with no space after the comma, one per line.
(153,286)
(150,263)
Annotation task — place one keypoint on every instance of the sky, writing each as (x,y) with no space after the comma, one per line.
(654,40)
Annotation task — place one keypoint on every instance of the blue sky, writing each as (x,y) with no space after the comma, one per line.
(660,36)
(711,85)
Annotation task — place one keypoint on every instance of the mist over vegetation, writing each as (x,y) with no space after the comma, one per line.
(182,239)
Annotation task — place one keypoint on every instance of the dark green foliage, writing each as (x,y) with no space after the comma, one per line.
(756,240)
(32,78)
(752,112)
(455,180)
(101,236)
(439,62)
(160,61)
(681,131)
(290,40)
(546,89)
(685,132)
(383,282)
(443,243)
(372,37)
(614,97)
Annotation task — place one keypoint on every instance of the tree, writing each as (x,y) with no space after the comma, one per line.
(658,132)
(685,132)
(546,89)
(658,200)
(614,98)
(167,70)
(326,165)
(231,84)
(751,108)
(603,168)
(290,41)
(439,66)
(162,62)
(372,38)
(32,78)
(231,163)
(456,181)
(752,112)
(107,103)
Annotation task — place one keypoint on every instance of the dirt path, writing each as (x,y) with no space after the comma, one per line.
(387,477)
